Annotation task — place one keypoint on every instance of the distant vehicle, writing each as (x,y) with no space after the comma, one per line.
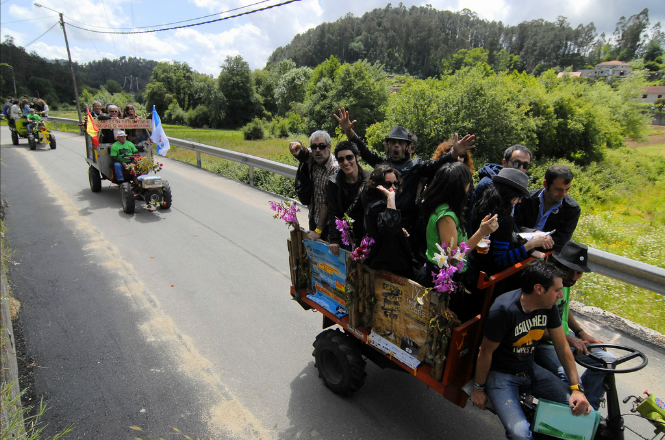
(39,134)
(138,183)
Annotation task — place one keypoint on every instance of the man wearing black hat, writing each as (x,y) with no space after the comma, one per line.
(573,263)
(551,208)
(398,156)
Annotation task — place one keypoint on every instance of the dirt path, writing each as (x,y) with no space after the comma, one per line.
(655,139)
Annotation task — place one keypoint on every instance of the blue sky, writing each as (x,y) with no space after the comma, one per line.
(254,36)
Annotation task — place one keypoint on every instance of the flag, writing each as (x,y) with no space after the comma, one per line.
(158,136)
(92,129)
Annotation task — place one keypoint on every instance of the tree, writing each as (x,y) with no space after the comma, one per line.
(156,94)
(113,86)
(292,87)
(628,35)
(235,83)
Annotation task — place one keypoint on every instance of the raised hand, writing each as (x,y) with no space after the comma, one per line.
(460,147)
(294,148)
(344,121)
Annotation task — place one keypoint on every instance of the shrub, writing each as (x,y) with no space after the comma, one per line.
(197,117)
(254,130)
(174,114)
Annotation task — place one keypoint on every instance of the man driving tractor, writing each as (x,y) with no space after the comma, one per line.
(121,150)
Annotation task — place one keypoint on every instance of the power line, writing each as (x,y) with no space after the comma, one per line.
(41,35)
(27,19)
(177,22)
(189,25)
(109,23)
(91,40)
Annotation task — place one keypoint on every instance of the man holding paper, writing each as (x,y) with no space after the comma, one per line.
(550,209)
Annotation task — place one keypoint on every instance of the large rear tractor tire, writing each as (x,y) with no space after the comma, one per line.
(32,142)
(51,142)
(95,179)
(14,137)
(166,195)
(127,195)
(339,361)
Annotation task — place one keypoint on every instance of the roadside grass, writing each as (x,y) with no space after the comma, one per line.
(658,150)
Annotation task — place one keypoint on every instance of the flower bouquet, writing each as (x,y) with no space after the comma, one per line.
(298,260)
(143,165)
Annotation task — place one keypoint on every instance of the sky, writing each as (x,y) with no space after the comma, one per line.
(254,36)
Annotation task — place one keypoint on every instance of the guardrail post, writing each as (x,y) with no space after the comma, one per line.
(198,159)
(251,175)
(55,125)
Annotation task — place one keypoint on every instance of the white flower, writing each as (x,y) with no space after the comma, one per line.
(441,259)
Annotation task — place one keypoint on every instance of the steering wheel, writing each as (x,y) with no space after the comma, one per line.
(610,367)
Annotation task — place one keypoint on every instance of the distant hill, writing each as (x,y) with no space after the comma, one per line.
(416,40)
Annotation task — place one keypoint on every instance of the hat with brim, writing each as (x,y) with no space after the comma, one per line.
(399,133)
(515,178)
(121,133)
(574,256)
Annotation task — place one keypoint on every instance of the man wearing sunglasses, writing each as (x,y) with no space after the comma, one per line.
(311,179)
(516,156)
(400,145)
(551,208)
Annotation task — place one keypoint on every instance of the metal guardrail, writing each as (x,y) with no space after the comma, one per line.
(623,269)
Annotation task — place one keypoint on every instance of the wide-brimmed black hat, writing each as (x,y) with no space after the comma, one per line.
(574,256)
(515,178)
(399,133)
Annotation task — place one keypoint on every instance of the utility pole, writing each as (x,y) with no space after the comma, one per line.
(69,55)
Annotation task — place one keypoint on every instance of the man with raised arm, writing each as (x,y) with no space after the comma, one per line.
(316,166)
(513,329)
(398,155)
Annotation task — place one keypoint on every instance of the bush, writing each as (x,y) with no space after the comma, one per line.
(254,130)
(197,117)
(174,114)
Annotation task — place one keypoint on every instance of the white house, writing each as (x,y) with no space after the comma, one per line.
(650,94)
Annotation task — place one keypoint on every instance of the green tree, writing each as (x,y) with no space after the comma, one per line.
(177,79)
(156,94)
(113,86)
(235,83)
(291,88)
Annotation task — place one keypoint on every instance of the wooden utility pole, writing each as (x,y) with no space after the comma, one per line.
(69,56)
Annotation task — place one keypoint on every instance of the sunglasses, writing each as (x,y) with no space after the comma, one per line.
(347,158)
(519,163)
(320,147)
(113,111)
(388,184)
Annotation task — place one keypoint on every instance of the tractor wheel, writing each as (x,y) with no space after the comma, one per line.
(339,361)
(14,137)
(166,196)
(95,179)
(51,141)
(32,142)
(127,197)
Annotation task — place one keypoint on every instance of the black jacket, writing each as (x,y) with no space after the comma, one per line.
(340,196)
(411,171)
(391,249)
(564,221)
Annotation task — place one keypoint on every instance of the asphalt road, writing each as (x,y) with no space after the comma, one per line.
(182,318)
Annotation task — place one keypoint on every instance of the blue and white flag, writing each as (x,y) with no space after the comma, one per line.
(158,136)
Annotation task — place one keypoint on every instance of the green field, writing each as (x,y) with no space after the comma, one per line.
(622,199)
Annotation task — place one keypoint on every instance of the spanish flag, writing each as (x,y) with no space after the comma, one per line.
(92,129)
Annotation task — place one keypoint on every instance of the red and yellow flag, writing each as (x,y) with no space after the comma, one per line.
(92,129)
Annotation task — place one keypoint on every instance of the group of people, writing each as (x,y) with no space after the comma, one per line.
(15,109)
(112,111)
(410,207)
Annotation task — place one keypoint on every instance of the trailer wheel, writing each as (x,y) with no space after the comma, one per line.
(32,142)
(14,137)
(51,141)
(127,197)
(339,361)
(95,179)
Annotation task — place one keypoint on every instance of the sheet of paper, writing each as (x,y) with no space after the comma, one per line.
(391,349)
(529,235)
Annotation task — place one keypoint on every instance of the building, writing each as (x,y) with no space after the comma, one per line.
(650,94)
(616,69)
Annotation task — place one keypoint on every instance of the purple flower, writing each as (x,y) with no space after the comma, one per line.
(343,227)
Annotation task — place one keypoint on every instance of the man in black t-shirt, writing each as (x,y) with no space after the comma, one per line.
(513,328)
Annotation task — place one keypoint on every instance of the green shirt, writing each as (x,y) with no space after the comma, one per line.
(564,306)
(432,232)
(34,117)
(123,151)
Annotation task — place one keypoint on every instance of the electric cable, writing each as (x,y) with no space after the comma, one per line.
(109,23)
(177,22)
(188,25)
(91,40)
(54,25)
(28,19)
